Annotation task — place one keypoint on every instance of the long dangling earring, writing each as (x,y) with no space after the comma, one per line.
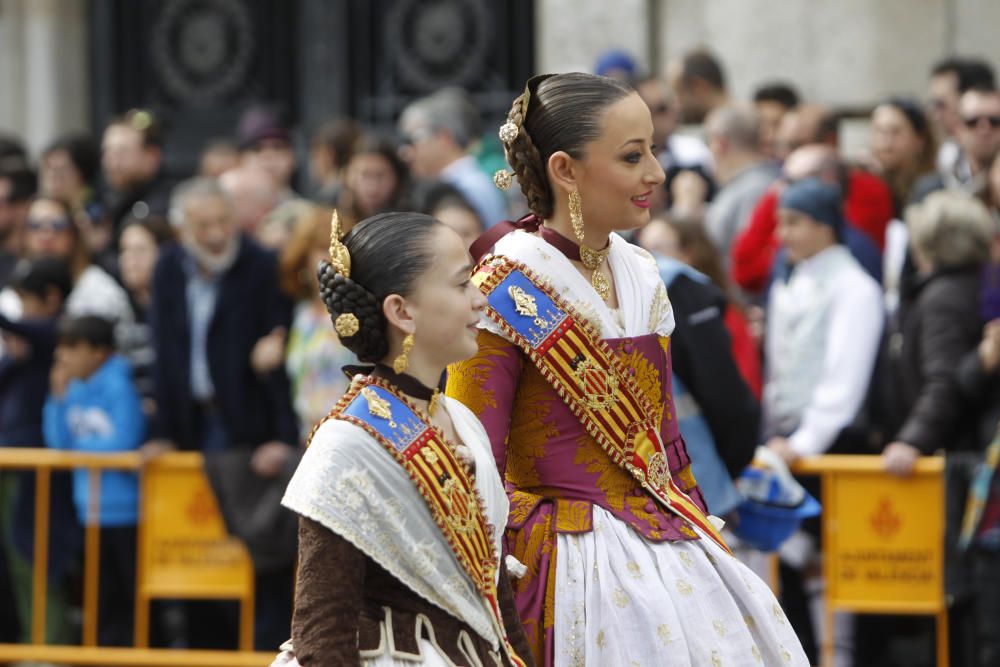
(403,360)
(592,259)
(576,214)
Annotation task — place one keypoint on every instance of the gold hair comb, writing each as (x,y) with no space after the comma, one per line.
(509,130)
(339,257)
(346,324)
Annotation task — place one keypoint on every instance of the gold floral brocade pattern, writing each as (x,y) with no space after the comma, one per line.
(467,380)
(614,483)
(647,376)
(532,546)
(531,428)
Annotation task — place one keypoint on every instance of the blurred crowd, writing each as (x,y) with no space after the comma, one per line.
(140,311)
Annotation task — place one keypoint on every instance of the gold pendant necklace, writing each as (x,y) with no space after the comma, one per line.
(592,260)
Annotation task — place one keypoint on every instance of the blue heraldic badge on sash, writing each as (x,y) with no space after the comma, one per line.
(527,309)
(389,416)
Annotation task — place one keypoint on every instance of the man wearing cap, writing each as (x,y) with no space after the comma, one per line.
(617,64)
(266,143)
(824,323)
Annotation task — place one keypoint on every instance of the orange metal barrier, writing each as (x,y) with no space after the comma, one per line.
(883,550)
(183,552)
(883,540)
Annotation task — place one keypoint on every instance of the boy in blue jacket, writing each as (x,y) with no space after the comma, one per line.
(93,406)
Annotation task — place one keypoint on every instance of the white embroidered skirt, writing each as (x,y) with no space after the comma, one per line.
(622,600)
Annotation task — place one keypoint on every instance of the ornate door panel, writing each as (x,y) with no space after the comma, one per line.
(199,63)
(195,63)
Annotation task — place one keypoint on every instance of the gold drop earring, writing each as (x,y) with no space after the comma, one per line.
(400,363)
(591,259)
(576,215)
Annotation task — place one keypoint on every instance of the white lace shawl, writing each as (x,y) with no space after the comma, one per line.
(643,306)
(350,484)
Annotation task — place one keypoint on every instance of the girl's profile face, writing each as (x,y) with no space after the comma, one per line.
(620,169)
(444,303)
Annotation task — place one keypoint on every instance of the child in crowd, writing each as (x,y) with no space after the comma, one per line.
(93,406)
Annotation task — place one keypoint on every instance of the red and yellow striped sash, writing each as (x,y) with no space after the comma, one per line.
(588,376)
(441,479)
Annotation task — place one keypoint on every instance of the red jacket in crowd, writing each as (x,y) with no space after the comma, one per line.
(746,354)
(868,208)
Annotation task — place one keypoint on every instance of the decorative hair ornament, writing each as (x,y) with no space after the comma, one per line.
(503,179)
(346,324)
(510,130)
(340,258)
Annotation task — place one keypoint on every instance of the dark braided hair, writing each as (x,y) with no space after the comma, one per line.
(389,251)
(564,113)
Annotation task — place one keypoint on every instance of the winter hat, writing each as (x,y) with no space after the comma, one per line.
(823,202)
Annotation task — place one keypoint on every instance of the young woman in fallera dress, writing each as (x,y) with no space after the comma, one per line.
(401,506)
(572,382)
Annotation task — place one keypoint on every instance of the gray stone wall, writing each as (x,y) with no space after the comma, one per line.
(570,34)
(846,53)
(43,69)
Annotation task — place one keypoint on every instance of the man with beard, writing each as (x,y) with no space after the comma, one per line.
(214,295)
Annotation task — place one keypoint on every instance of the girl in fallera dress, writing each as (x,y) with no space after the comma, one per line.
(572,382)
(399,560)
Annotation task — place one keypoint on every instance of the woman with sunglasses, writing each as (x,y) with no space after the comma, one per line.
(51,232)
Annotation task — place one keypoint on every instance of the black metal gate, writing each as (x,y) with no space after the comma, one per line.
(199,63)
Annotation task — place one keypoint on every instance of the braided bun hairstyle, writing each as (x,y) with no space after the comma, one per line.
(389,251)
(564,113)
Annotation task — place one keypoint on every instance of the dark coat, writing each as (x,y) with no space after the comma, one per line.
(24,385)
(254,409)
(342,595)
(149,199)
(701,353)
(981,389)
(936,326)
